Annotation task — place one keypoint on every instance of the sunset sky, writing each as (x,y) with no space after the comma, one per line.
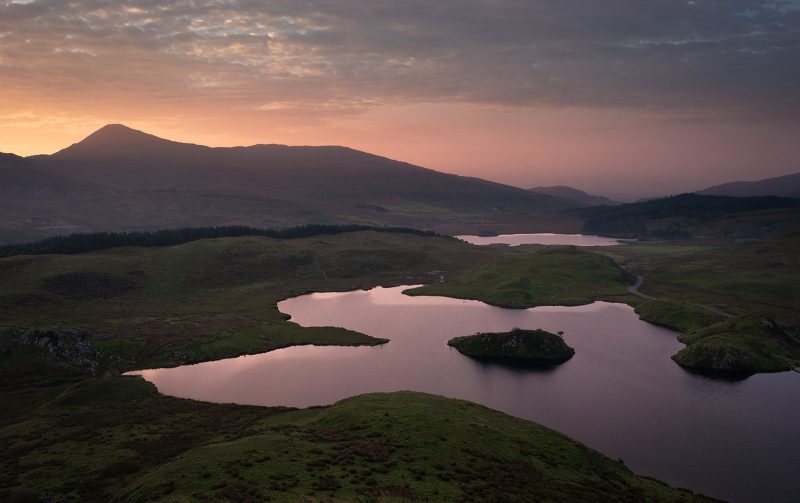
(619,97)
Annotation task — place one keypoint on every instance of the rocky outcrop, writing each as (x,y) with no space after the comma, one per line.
(716,359)
(67,346)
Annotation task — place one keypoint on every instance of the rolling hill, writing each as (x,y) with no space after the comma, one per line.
(122,179)
(785,186)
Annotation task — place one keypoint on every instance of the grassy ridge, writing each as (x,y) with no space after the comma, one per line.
(544,276)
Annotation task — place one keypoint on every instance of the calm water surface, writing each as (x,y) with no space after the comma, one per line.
(620,393)
(541,239)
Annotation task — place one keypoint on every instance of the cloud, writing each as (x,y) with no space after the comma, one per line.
(737,58)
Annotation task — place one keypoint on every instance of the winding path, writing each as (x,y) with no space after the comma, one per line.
(634,290)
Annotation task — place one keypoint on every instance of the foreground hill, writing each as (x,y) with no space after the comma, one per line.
(117,439)
(573,194)
(785,186)
(122,179)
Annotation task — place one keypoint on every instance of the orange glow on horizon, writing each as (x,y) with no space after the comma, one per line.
(610,152)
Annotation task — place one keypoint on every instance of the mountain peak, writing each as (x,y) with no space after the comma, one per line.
(114,140)
(114,129)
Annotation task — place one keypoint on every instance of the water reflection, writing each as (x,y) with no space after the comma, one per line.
(542,239)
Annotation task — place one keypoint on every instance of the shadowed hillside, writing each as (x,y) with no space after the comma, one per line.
(689,216)
(573,194)
(785,186)
(117,155)
(122,179)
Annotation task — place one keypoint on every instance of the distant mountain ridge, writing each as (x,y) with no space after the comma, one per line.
(784,186)
(120,156)
(689,216)
(118,178)
(573,194)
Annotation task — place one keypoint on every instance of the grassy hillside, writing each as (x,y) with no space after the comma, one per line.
(529,278)
(692,285)
(116,439)
(758,276)
(216,298)
(213,298)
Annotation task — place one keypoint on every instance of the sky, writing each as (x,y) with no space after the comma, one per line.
(626,98)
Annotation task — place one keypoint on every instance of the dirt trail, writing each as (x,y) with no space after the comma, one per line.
(634,288)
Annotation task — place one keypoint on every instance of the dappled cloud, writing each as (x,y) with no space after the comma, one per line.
(293,65)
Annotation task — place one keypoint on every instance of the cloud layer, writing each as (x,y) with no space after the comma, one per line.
(737,58)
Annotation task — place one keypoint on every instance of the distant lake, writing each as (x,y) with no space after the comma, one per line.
(541,239)
(620,394)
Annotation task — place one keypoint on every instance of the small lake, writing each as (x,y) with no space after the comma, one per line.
(542,239)
(620,394)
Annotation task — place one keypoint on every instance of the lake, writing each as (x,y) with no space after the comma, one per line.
(620,394)
(542,239)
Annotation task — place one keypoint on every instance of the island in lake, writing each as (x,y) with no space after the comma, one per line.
(533,347)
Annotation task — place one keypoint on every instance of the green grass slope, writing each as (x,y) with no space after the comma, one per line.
(754,282)
(213,298)
(544,276)
(745,344)
(117,439)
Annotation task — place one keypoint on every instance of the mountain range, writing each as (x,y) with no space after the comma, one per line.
(119,178)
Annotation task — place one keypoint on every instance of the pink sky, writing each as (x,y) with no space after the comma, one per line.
(615,99)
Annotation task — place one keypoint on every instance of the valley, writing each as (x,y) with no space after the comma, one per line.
(399,252)
(207,299)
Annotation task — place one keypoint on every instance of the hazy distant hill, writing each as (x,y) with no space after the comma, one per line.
(576,195)
(21,179)
(692,215)
(786,186)
(120,178)
(119,156)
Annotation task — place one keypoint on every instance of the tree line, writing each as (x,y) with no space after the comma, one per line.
(86,242)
